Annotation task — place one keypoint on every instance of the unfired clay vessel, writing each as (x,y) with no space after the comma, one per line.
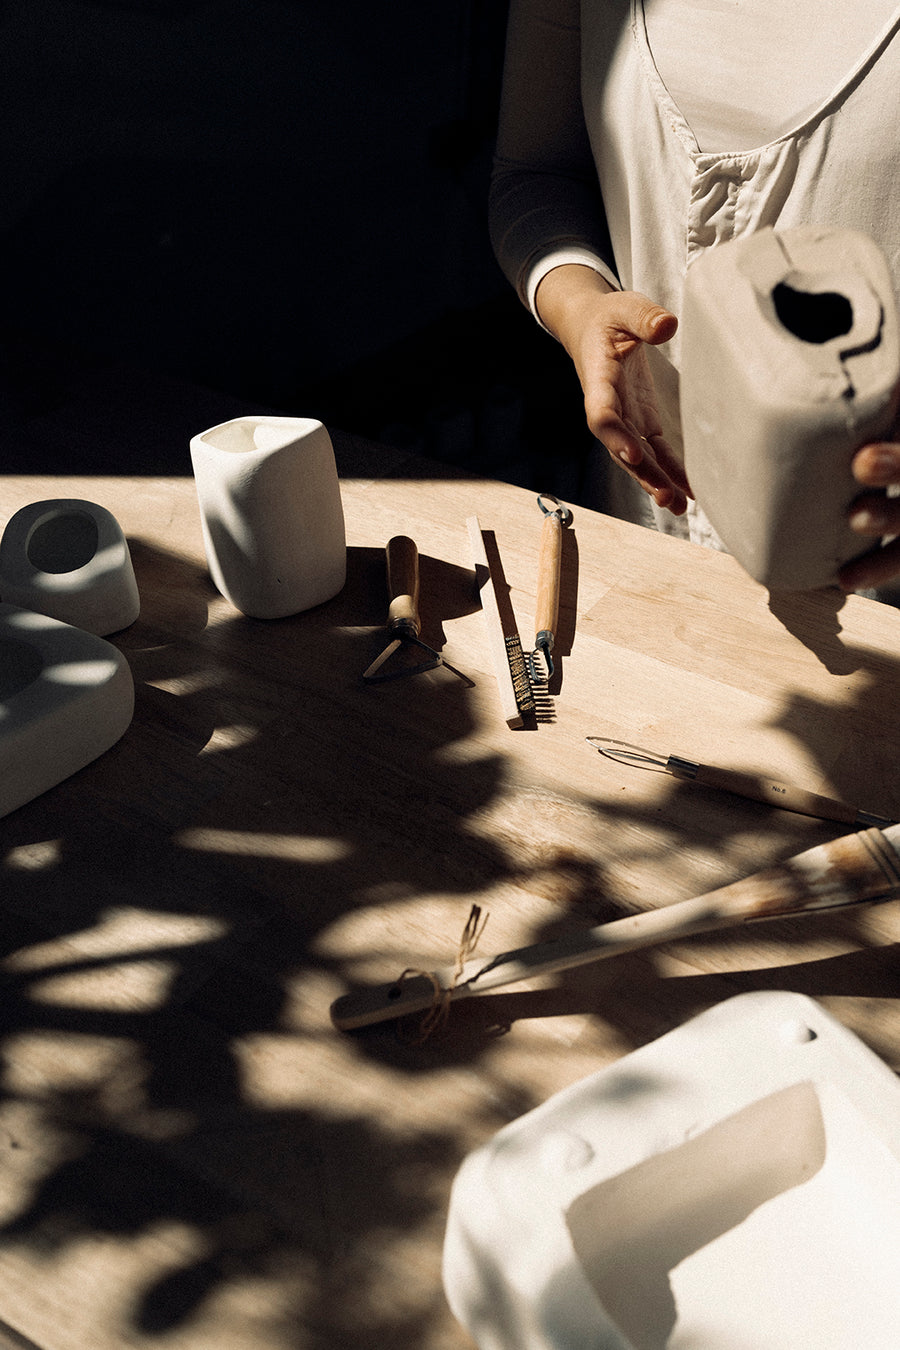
(790,363)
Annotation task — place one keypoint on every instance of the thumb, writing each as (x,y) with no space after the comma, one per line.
(645,319)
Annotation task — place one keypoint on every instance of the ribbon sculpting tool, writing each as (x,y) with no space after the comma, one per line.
(756,787)
(855,869)
(403,616)
(540,661)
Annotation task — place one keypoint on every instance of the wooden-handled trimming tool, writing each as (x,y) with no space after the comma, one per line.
(403,614)
(513,683)
(756,787)
(549,571)
(862,868)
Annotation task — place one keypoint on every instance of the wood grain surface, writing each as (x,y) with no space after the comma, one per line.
(190,1155)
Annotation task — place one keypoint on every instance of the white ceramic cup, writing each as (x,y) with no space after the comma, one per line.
(273,521)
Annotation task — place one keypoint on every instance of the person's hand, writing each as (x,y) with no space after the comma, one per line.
(873,515)
(605,332)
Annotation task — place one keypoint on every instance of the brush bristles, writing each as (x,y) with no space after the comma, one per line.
(522,686)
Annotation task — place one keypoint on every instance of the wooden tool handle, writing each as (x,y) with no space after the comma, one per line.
(497,637)
(773,793)
(403,583)
(549,562)
(856,869)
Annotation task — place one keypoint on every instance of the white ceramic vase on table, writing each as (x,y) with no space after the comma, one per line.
(273,521)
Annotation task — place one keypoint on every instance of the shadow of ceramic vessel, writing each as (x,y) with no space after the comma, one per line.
(812,618)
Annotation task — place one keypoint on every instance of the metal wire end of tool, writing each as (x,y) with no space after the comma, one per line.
(544,703)
(543,646)
(873,822)
(563,512)
(382,668)
(624,753)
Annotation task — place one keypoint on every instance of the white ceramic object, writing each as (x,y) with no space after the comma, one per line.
(790,362)
(273,521)
(734,1185)
(66,696)
(69,559)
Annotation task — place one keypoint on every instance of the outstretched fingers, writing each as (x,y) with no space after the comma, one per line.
(650,462)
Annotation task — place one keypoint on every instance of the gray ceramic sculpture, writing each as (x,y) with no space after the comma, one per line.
(66,696)
(69,559)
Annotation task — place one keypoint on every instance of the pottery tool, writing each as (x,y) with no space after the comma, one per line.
(862,868)
(513,683)
(403,615)
(546,616)
(755,786)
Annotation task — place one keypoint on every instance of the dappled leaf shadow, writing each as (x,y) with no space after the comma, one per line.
(167,922)
(162,909)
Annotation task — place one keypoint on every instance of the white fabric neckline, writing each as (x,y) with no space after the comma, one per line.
(682,127)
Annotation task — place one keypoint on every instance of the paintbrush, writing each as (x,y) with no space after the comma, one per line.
(861,868)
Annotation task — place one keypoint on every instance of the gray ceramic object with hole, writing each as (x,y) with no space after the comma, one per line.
(69,559)
(790,363)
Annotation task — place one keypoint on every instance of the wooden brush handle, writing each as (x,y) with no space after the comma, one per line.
(497,637)
(856,869)
(549,561)
(403,584)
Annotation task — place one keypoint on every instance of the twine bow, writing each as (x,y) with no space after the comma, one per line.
(439,1011)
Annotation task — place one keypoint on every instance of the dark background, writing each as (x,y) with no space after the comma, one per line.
(280,199)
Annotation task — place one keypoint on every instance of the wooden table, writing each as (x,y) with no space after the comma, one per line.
(192,1156)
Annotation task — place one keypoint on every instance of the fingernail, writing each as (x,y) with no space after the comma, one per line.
(867,520)
(885,460)
(662,318)
(882,465)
